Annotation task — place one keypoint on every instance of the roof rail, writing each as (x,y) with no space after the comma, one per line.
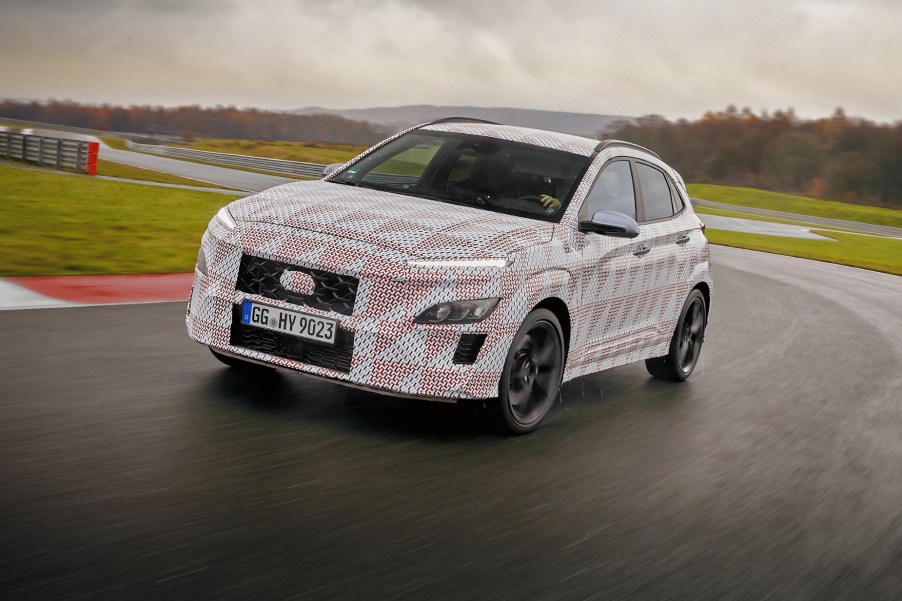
(460,119)
(609,143)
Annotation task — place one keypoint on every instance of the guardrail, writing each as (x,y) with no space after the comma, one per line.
(50,152)
(314,170)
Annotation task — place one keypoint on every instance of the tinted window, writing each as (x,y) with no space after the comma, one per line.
(677,197)
(492,174)
(655,191)
(613,191)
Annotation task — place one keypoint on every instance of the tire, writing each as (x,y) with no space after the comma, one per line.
(240,365)
(532,373)
(686,344)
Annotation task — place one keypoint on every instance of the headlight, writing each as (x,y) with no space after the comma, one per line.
(468,311)
(226,218)
(439,263)
(202,260)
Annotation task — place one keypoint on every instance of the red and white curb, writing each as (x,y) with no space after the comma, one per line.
(89,290)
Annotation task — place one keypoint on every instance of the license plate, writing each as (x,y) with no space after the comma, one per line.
(302,325)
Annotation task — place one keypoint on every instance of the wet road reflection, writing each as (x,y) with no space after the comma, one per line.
(136,466)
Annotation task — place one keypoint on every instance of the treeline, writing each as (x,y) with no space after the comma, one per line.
(838,158)
(189,122)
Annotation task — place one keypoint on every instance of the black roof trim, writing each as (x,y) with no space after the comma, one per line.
(460,120)
(609,143)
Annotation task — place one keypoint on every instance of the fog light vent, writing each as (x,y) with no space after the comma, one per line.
(468,348)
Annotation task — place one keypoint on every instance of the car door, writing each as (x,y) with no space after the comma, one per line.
(612,273)
(666,234)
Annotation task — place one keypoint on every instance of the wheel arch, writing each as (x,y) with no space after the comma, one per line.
(705,289)
(560,310)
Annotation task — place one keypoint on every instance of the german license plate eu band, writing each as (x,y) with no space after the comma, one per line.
(309,327)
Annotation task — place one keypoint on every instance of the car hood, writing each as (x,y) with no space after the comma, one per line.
(418,227)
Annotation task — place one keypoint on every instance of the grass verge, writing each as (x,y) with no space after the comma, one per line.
(307,152)
(867,252)
(119,144)
(236,167)
(60,225)
(112,169)
(703,210)
(788,203)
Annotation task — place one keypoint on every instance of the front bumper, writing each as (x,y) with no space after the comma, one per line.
(380,347)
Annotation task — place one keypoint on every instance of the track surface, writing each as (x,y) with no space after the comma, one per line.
(235,178)
(136,467)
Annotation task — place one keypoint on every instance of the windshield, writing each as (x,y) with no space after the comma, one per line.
(492,174)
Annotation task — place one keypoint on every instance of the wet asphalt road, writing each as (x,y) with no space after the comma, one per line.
(133,466)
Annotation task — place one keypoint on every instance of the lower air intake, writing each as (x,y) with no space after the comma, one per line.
(468,348)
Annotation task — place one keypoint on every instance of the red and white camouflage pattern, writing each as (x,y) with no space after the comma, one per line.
(622,308)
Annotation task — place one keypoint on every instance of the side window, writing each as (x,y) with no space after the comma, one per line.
(677,197)
(655,192)
(613,191)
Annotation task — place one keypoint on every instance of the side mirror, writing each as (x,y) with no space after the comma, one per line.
(609,223)
(331,168)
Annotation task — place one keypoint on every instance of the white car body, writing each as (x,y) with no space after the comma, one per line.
(618,300)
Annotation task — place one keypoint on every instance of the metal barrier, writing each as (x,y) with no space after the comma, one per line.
(50,152)
(274,165)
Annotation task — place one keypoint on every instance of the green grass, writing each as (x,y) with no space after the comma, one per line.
(775,201)
(54,224)
(307,152)
(703,210)
(867,252)
(117,143)
(236,167)
(112,169)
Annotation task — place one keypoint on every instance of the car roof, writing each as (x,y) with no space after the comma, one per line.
(525,135)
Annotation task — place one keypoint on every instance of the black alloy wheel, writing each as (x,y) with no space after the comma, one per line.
(686,344)
(532,373)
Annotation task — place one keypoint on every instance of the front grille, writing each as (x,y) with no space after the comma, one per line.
(337,357)
(331,291)
(468,348)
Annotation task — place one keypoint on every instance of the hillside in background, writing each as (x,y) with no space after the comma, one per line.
(189,122)
(399,117)
(838,157)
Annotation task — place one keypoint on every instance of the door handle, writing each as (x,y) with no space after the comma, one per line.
(683,239)
(642,250)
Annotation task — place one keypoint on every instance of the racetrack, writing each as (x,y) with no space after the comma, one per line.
(135,466)
(234,178)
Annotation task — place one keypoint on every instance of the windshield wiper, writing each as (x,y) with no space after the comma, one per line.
(346,182)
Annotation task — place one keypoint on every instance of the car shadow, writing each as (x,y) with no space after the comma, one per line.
(299,398)
(584,402)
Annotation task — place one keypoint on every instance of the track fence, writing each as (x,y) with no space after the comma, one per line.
(50,152)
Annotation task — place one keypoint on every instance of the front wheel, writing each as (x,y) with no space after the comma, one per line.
(532,373)
(686,343)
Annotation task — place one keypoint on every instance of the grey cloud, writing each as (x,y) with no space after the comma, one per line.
(676,59)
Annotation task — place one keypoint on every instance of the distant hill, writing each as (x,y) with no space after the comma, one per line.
(399,117)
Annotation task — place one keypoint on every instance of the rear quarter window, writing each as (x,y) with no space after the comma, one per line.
(655,192)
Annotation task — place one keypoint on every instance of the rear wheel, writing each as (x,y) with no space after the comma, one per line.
(686,343)
(239,364)
(532,373)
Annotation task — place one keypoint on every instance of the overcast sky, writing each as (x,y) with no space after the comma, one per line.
(677,58)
